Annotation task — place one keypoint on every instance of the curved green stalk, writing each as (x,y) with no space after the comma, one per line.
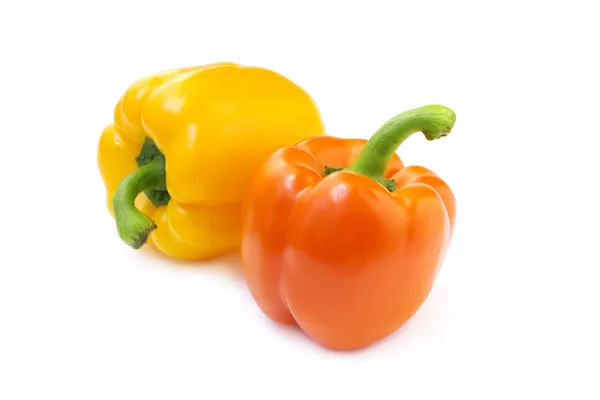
(435,121)
(135,227)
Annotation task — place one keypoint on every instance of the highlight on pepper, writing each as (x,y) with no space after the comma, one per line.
(183,146)
(343,240)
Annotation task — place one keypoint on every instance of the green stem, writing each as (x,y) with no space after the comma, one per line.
(434,121)
(133,226)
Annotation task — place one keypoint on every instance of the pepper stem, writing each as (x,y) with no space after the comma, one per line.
(135,227)
(435,121)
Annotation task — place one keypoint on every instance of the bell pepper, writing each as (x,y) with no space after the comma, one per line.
(183,146)
(340,238)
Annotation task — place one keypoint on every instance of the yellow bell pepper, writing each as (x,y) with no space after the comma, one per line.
(183,146)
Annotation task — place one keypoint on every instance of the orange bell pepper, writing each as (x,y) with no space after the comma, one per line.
(343,240)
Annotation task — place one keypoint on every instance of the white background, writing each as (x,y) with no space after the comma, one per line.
(514,313)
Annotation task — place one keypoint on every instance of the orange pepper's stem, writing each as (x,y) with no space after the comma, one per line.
(434,121)
(133,226)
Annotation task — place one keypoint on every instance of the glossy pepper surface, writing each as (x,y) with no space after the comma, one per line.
(183,146)
(341,238)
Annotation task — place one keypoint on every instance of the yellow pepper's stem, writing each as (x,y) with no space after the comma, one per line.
(434,121)
(133,226)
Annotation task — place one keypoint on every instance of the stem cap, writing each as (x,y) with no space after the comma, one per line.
(441,121)
(135,230)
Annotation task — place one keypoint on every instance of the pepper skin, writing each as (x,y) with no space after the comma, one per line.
(343,240)
(183,146)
